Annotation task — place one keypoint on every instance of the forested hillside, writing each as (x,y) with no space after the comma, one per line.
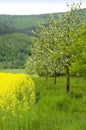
(23,24)
(16,37)
(28,21)
(24,21)
(14,50)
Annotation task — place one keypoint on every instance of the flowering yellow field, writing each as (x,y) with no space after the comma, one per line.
(16,94)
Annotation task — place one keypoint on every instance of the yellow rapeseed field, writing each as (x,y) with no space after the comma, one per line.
(16,94)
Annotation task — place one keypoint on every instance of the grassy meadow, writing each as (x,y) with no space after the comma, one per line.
(53,108)
(13,70)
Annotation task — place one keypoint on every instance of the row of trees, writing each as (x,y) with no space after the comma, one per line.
(59,46)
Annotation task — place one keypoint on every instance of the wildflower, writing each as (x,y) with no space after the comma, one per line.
(16,93)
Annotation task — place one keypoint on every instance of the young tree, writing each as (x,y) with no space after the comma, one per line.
(47,51)
(69,27)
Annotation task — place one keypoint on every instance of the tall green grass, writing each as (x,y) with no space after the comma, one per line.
(53,108)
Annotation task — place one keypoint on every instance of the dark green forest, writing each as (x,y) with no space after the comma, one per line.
(14,50)
(16,34)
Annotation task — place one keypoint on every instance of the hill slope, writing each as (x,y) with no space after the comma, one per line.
(16,35)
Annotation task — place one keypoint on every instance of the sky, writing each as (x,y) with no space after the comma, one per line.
(30,7)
